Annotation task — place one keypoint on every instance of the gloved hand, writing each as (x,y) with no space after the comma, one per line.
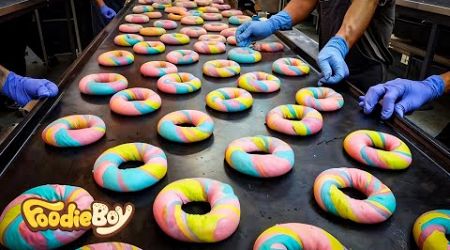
(401,95)
(331,61)
(24,89)
(257,30)
(107,12)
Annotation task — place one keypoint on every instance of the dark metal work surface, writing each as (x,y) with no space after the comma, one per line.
(12,8)
(264,202)
(441,7)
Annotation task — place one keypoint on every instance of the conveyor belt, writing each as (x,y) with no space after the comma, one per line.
(264,202)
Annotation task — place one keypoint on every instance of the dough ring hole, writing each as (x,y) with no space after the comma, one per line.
(131,164)
(196,207)
(354,193)
(186,125)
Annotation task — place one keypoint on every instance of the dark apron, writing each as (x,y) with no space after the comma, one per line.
(368,58)
(98,21)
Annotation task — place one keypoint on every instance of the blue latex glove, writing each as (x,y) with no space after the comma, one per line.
(257,30)
(331,61)
(107,12)
(401,95)
(23,89)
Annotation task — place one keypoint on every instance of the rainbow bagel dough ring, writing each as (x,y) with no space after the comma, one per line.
(135,101)
(259,82)
(182,56)
(431,228)
(211,16)
(194,31)
(15,234)
(239,19)
(102,84)
(232,12)
(215,26)
(280,119)
(217,225)
(379,205)
(138,9)
(109,246)
(208,9)
(152,31)
(228,32)
(201,3)
(116,58)
(231,40)
(268,47)
(169,129)
(210,47)
(153,14)
(244,55)
(166,24)
(137,18)
(208,37)
(130,28)
(157,68)
(290,67)
(279,161)
(378,149)
(320,98)
(221,68)
(192,20)
(127,40)
(175,39)
(108,175)
(74,131)
(149,48)
(229,99)
(186,4)
(296,236)
(179,83)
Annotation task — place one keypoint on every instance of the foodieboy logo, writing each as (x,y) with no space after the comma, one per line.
(40,215)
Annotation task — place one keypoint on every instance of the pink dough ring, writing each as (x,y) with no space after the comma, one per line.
(130,28)
(193,32)
(166,24)
(186,4)
(116,58)
(127,40)
(294,120)
(378,149)
(228,32)
(231,40)
(175,39)
(209,47)
(221,6)
(207,37)
(153,14)
(149,48)
(379,205)
(297,236)
(15,233)
(269,47)
(182,57)
(102,84)
(203,2)
(192,20)
(320,98)
(259,82)
(137,18)
(218,224)
(157,68)
(215,26)
(74,131)
(290,67)
(212,16)
(135,101)
(179,83)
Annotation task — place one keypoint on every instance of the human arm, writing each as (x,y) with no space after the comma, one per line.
(331,57)
(294,12)
(403,96)
(24,89)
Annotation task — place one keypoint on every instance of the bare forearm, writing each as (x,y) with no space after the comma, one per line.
(3,74)
(446,77)
(99,3)
(357,19)
(300,9)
